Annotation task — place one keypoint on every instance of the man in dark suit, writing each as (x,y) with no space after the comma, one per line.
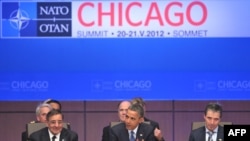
(212,131)
(55,130)
(122,111)
(157,132)
(41,112)
(133,128)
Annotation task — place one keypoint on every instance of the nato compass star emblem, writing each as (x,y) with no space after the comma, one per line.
(19,19)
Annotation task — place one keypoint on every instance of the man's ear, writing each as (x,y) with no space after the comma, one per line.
(37,118)
(204,117)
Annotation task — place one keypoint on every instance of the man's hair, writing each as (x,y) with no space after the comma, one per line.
(139,101)
(215,107)
(53,101)
(137,108)
(52,113)
(38,108)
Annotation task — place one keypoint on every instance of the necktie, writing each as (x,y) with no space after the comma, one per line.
(53,138)
(210,134)
(132,137)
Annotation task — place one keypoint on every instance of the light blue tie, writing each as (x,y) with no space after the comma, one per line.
(132,137)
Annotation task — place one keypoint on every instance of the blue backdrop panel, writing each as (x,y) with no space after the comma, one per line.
(34,67)
(106,69)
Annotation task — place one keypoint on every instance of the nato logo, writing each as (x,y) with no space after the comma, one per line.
(36,19)
(18,19)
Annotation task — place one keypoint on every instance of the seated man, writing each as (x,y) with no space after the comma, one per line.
(133,129)
(157,132)
(212,131)
(122,111)
(41,112)
(55,130)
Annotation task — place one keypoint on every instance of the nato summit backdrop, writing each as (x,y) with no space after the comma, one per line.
(110,49)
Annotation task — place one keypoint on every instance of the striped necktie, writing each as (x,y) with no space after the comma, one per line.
(132,137)
(210,134)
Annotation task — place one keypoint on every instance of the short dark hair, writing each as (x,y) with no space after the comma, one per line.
(138,100)
(216,107)
(137,108)
(54,101)
(52,113)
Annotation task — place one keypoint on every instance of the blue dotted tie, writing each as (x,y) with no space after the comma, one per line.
(132,137)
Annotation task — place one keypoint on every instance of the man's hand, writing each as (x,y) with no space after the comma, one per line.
(158,135)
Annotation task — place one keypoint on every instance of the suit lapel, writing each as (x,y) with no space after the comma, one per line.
(126,134)
(141,132)
(45,135)
(63,135)
(220,134)
(203,134)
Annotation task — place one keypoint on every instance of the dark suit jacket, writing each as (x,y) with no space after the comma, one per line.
(120,133)
(24,136)
(105,131)
(153,123)
(43,135)
(200,134)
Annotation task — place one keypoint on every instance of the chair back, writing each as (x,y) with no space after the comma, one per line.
(113,123)
(196,125)
(33,127)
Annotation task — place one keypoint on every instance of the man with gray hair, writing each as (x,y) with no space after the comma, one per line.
(122,111)
(41,113)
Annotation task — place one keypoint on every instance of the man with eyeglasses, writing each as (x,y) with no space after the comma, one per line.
(54,130)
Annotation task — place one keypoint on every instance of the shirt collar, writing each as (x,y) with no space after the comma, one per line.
(214,131)
(135,130)
(51,135)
